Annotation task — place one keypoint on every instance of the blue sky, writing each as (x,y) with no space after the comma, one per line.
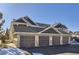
(67,14)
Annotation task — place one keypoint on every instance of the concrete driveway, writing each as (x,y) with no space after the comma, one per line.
(53,50)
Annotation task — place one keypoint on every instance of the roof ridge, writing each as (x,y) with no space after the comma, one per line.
(43,23)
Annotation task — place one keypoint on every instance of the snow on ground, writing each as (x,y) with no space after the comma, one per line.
(11,51)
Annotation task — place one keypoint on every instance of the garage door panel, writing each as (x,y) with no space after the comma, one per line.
(65,40)
(27,41)
(56,40)
(43,40)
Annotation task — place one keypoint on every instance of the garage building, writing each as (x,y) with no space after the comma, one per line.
(25,33)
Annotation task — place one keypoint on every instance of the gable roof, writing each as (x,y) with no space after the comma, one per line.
(59,25)
(39,27)
(25,19)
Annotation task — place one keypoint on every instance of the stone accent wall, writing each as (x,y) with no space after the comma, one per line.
(15,41)
(65,39)
(43,41)
(27,41)
(56,40)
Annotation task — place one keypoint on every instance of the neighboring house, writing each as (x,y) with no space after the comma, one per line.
(76,34)
(26,33)
(75,37)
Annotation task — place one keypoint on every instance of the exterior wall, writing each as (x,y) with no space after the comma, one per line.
(61,40)
(11,32)
(50,40)
(15,41)
(43,41)
(36,40)
(56,40)
(69,40)
(27,41)
(0,42)
(40,40)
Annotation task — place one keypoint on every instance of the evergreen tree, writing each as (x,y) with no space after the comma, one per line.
(2,32)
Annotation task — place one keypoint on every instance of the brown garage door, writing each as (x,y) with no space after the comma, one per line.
(65,39)
(43,40)
(56,40)
(27,41)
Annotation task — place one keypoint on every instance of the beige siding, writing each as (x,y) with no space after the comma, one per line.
(65,39)
(43,40)
(56,40)
(27,41)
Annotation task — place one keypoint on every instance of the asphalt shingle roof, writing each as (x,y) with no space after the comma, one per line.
(24,28)
(59,25)
(20,20)
(43,25)
(63,32)
(29,20)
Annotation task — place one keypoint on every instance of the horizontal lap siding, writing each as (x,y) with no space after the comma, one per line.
(65,39)
(56,40)
(27,41)
(43,40)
